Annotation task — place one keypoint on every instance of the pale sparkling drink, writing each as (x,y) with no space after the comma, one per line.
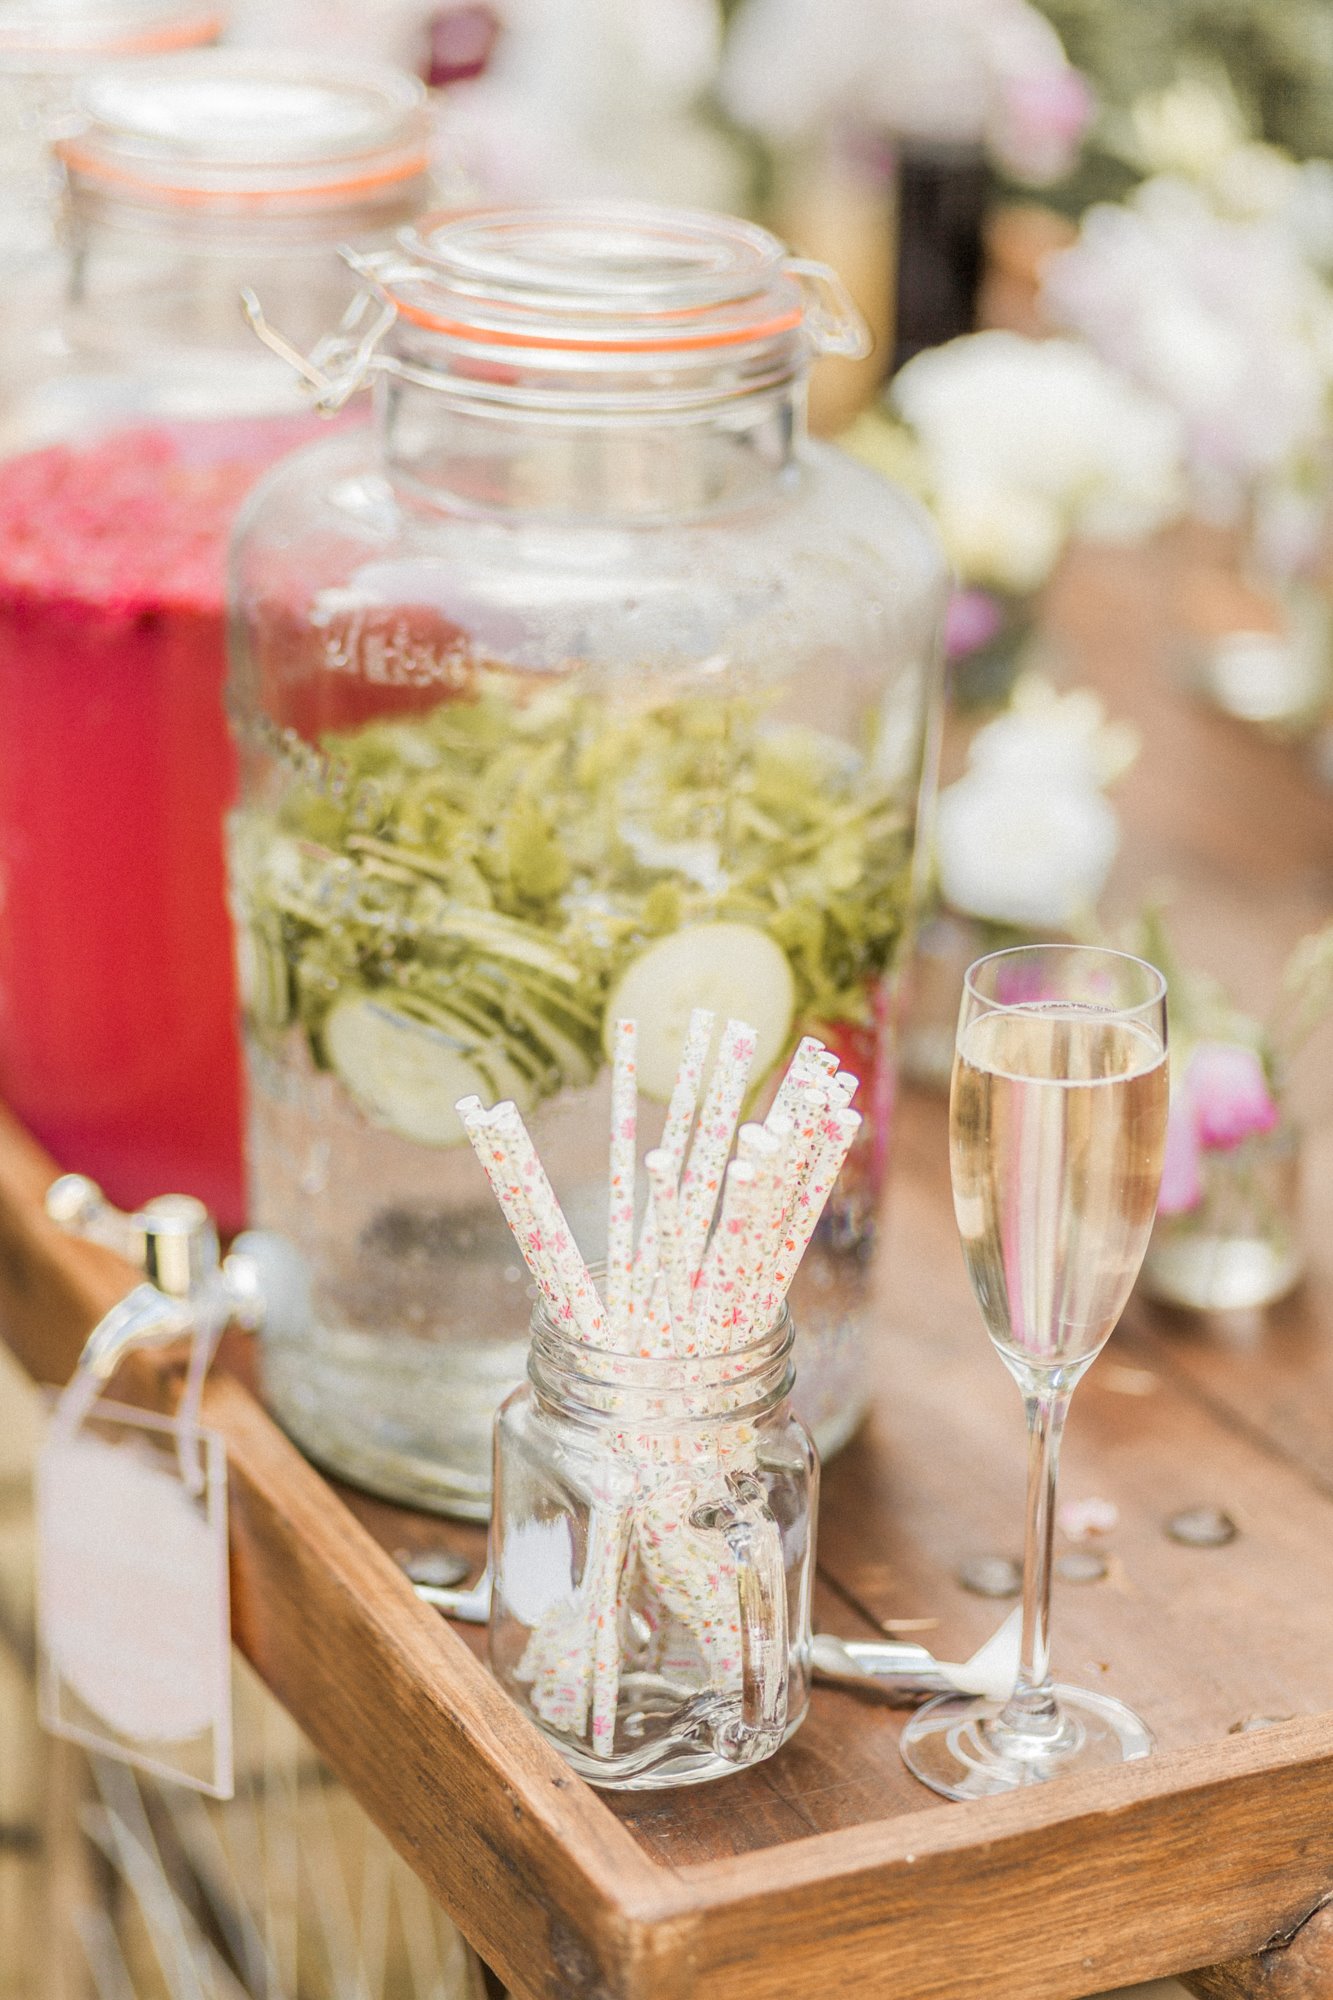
(1057,1131)
(1057,1123)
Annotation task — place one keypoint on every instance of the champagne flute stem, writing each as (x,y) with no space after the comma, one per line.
(1032,1708)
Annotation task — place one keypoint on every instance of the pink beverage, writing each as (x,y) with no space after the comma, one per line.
(140,411)
(118,1040)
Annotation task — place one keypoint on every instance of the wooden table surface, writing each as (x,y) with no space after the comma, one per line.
(829,1865)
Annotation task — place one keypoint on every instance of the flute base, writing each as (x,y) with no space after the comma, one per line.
(960,1747)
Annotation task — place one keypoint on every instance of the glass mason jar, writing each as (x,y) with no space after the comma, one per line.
(589,688)
(653,1548)
(1238,1246)
(138,422)
(46,46)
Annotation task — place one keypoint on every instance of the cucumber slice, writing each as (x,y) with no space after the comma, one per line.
(408,1076)
(736,969)
(513,1072)
(568,1060)
(262,976)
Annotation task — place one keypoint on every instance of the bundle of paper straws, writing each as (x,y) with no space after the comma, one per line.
(704,1275)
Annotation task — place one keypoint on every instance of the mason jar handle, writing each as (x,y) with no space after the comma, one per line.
(755,1543)
(832,317)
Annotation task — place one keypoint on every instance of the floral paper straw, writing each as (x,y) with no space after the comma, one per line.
(676,1134)
(843,1087)
(692,1294)
(768,1147)
(809,1107)
(838,1131)
(689,1082)
(702,1181)
(658,1329)
(609,1529)
(810,1062)
(492,1150)
(620,1207)
(554,1237)
(725,1290)
(694,1574)
(670,1244)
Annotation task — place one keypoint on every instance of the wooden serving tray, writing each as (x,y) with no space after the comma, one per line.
(828,1866)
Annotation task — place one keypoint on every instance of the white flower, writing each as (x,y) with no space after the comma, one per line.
(1255,180)
(1222,317)
(1024,443)
(955,72)
(1048,735)
(1188,128)
(1031,855)
(1005,538)
(1026,837)
(593,98)
(1309,211)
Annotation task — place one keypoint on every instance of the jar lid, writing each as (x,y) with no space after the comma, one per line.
(676,296)
(611,277)
(65,34)
(233,128)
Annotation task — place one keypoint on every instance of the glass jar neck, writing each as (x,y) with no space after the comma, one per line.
(652,453)
(607,1390)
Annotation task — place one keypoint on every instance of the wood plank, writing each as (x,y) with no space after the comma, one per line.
(1045,1895)
(1298,1965)
(1241,822)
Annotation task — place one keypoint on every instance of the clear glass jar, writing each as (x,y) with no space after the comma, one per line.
(46,46)
(590,688)
(653,1548)
(142,416)
(1238,1246)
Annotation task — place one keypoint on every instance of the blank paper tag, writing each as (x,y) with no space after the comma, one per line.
(134,1625)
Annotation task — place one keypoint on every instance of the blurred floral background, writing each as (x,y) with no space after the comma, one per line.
(1094,242)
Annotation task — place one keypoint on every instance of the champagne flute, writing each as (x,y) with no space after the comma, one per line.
(1056,1127)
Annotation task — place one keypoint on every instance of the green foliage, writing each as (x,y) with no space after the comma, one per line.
(1277,56)
(492,868)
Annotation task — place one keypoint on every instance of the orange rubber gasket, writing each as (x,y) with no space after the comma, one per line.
(725,337)
(189,34)
(181,35)
(95,169)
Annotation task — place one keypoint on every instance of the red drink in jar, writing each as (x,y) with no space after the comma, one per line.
(118,1043)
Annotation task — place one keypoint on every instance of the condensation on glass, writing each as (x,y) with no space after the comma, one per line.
(589,687)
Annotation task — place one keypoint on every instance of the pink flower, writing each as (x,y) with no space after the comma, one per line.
(973,619)
(461,43)
(1222,1100)
(1182,1184)
(1041,122)
(1230,1093)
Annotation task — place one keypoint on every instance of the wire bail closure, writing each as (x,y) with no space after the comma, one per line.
(344,361)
